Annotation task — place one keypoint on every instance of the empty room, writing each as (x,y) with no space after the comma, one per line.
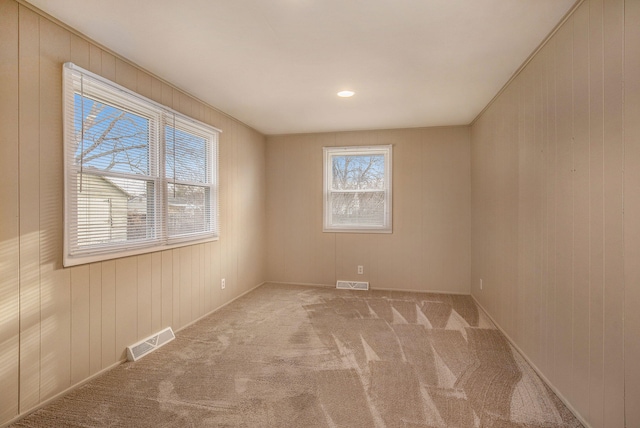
(305,213)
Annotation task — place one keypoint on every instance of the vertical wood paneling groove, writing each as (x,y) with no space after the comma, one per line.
(79,362)
(186,285)
(95,59)
(564,217)
(581,215)
(176,288)
(144,296)
(126,304)
(55,339)
(156,292)
(538,130)
(80,275)
(167,289)
(596,231)
(95,318)
(29,180)
(80,52)
(586,218)
(613,232)
(547,207)
(208,282)
(108,310)
(632,212)
(553,162)
(9,211)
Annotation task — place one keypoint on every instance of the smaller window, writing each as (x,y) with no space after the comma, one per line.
(357,189)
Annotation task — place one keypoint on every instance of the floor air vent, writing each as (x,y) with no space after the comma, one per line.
(352,285)
(151,343)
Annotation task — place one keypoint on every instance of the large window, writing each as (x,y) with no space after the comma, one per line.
(357,189)
(138,176)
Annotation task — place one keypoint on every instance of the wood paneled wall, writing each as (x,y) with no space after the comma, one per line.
(555,164)
(429,249)
(552,212)
(60,326)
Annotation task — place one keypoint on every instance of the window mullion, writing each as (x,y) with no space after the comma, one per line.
(161,187)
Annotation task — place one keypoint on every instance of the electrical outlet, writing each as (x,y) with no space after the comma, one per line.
(360,270)
(222,284)
(480,283)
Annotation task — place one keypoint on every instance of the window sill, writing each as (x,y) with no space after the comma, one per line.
(85,259)
(356,230)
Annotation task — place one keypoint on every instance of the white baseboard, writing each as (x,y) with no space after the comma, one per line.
(404,290)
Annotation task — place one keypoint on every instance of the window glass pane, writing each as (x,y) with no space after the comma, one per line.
(353,172)
(113,210)
(188,209)
(114,139)
(186,156)
(357,208)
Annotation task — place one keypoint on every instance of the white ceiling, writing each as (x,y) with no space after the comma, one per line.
(277,65)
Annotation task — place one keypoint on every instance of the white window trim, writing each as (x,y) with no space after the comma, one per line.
(203,131)
(113,93)
(328,153)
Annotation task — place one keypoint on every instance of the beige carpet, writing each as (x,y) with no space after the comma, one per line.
(294,356)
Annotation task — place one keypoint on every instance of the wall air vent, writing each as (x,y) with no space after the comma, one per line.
(151,343)
(352,285)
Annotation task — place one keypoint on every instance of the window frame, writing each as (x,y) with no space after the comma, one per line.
(109,93)
(328,154)
(201,130)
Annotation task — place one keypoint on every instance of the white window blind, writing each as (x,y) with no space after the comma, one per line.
(357,189)
(138,176)
(191,192)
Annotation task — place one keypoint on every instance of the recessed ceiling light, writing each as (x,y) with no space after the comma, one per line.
(345,94)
